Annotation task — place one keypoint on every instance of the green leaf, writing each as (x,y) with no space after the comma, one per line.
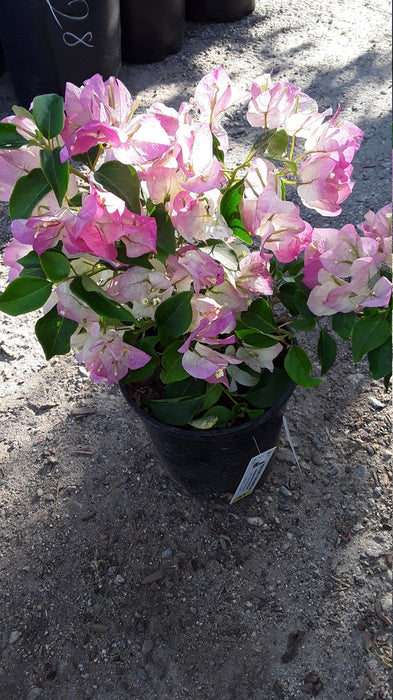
(31,265)
(221,413)
(368,334)
(217,150)
(76,200)
(278,144)
(9,137)
(141,261)
(172,363)
(204,423)
(27,193)
(21,111)
(259,317)
(24,294)
(54,333)
(56,172)
(175,411)
(187,387)
(123,181)
(380,360)
(286,295)
(89,158)
(55,265)
(175,314)
(262,142)
(166,243)
(230,210)
(343,324)
(269,389)
(298,366)
(304,325)
(100,303)
(327,351)
(48,114)
(212,395)
(257,339)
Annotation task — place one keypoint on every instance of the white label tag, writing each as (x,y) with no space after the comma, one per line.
(253,473)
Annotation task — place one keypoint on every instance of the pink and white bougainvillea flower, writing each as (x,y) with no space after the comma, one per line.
(158,261)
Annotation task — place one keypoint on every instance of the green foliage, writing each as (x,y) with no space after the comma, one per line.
(298,366)
(27,193)
(9,137)
(327,351)
(230,210)
(54,333)
(88,292)
(48,114)
(174,315)
(368,334)
(123,181)
(25,294)
(56,172)
(55,265)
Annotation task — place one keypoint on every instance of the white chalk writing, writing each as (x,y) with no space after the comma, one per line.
(69,38)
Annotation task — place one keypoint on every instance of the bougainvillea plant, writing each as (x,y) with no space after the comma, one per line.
(163,267)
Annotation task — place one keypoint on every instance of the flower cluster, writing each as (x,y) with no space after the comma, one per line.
(157,262)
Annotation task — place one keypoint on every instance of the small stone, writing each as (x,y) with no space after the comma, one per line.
(147,646)
(119,580)
(254,521)
(361,471)
(39,493)
(285,546)
(317,443)
(375,404)
(112,570)
(155,576)
(373,550)
(166,553)
(386,603)
(14,636)
(141,674)
(34,693)
(285,491)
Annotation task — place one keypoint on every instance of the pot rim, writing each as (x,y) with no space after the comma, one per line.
(211,432)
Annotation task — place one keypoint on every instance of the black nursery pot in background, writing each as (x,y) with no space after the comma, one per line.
(213,461)
(49,42)
(151,29)
(218,10)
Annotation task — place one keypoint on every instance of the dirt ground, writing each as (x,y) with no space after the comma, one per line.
(115,584)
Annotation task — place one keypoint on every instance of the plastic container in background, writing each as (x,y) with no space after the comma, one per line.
(218,10)
(3,66)
(151,29)
(49,42)
(213,461)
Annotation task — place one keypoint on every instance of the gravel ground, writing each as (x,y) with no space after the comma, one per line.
(114,582)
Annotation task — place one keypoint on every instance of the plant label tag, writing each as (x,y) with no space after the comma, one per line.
(253,473)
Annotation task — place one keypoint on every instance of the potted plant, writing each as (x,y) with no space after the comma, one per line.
(218,10)
(151,31)
(186,278)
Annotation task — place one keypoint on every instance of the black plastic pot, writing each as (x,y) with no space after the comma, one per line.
(213,461)
(2,61)
(151,30)
(218,10)
(49,42)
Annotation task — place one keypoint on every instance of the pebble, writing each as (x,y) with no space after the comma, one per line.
(34,693)
(147,646)
(362,471)
(166,553)
(14,636)
(378,492)
(373,550)
(141,674)
(119,580)
(112,570)
(254,521)
(386,603)
(285,546)
(39,493)
(317,443)
(375,404)
(285,491)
